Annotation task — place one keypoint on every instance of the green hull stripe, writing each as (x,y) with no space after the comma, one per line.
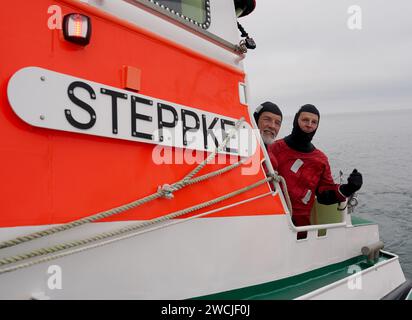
(299,285)
(356,221)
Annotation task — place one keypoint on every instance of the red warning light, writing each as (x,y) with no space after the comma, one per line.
(77,28)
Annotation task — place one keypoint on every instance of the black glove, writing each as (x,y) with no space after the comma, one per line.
(353,185)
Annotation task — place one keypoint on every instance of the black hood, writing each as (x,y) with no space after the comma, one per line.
(298,139)
(267,107)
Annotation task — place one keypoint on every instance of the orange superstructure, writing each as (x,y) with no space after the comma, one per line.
(54,177)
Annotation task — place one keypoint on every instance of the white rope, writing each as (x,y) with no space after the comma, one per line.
(99,237)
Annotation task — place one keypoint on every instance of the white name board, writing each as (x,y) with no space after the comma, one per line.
(53,100)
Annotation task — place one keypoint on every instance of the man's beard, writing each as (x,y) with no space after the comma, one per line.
(267,139)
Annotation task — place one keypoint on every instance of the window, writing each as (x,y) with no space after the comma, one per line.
(194,11)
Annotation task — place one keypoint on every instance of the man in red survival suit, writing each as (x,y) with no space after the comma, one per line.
(306,169)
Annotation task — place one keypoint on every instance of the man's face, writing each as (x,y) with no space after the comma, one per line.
(308,122)
(269,126)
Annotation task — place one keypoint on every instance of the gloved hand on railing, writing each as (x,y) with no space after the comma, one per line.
(354,184)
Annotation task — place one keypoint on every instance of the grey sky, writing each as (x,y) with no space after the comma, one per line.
(307,54)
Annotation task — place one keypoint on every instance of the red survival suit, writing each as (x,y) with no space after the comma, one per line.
(306,175)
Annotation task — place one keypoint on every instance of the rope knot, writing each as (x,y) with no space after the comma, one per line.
(275,176)
(166,190)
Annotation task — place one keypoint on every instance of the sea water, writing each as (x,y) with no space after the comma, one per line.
(379,145)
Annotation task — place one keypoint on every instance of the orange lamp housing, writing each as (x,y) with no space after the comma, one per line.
(77,28)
